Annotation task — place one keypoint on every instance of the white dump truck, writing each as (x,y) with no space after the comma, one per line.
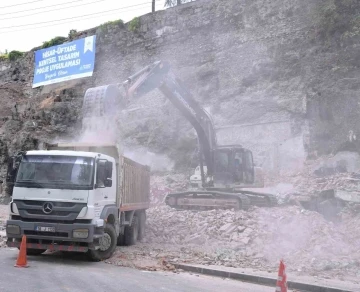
(77,197)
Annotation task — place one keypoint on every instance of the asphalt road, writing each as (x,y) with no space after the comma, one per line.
(57,273)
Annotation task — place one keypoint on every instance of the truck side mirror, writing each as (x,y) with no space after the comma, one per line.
(108,169)
(12,169)
(10,175)
(108,183)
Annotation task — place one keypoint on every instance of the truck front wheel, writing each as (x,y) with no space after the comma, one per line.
(107,245)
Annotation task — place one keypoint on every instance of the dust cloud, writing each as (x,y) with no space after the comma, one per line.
(99,130)
(157,162)
(108,130)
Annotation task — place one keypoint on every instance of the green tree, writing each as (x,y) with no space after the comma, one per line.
(13,55)
(72,34)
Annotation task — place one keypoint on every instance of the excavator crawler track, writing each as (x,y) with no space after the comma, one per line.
(207,200)
(261,200)
(245,202)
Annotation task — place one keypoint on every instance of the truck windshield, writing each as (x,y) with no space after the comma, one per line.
(54,171)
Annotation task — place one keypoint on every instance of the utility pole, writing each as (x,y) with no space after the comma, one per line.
(178,2)
(153,6)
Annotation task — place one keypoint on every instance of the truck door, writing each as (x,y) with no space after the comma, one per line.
(104,191)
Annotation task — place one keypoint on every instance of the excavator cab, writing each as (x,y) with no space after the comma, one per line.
(233,165)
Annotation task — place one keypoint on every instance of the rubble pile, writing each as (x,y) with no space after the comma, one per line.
(160,186)
(339,172)
(187,227)
(308,184)
(257,239)
(3,218)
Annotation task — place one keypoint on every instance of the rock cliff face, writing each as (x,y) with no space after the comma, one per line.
(280,77)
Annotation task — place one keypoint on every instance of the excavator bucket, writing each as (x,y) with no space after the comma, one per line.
(101,100)
(100,106)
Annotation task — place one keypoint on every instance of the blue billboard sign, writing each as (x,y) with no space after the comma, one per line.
(65,62)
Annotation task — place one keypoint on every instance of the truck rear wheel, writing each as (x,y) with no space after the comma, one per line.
(107,245)
(121,239)
(132,231)
(142,223)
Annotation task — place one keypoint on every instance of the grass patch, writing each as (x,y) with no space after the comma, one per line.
(54,42)
(112,23)
(14,55)
(134,24)
(4,57)
(11,56)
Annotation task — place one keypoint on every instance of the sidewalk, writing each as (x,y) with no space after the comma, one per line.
(303,283)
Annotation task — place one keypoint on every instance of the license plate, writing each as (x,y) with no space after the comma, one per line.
(46,229)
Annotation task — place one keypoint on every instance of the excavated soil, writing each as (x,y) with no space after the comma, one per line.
(310,244)
(256,239)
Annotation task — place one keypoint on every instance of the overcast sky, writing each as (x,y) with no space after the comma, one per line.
(25,24)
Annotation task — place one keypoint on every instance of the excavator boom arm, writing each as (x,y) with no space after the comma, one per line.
(159,75)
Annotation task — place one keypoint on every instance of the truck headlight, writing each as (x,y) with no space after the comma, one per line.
(14,209)
(12,229)
(81,233)
(82,212)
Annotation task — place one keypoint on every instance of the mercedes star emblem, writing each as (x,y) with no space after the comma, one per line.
(47,208)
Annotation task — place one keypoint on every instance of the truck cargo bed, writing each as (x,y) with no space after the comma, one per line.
(135,185)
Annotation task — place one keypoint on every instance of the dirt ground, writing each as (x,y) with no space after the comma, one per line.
(4,213)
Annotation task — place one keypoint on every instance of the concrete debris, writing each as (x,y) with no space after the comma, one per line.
(162,185)
(258,238)
(313,179)
(308,242)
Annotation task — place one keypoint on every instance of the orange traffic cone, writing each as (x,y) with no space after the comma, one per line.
(21,260)
(281,283)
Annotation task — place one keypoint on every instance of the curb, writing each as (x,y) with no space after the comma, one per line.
(261,280)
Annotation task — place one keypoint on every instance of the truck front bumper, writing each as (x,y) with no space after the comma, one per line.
(61,236)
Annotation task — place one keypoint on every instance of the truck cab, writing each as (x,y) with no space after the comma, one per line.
(73,199)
